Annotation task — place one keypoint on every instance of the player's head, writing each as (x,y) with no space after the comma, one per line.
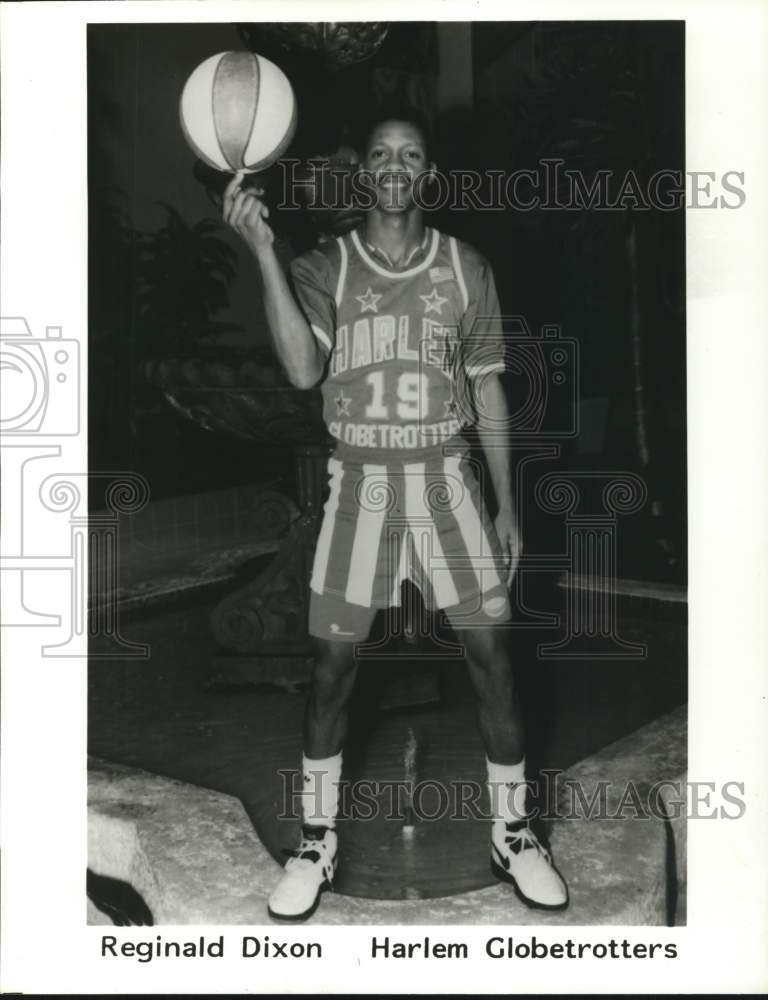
(395,112)
(396,149)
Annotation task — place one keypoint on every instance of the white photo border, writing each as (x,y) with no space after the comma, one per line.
(46,945)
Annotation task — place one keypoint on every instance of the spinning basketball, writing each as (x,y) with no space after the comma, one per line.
(238,112)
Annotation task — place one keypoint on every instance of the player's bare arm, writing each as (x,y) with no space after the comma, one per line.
(494,438)
(292,337)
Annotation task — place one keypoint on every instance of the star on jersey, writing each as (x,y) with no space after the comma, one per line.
(450,408)
(433,302)
(342,405)
(368,301)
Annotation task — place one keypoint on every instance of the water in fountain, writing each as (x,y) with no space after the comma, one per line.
(409,768)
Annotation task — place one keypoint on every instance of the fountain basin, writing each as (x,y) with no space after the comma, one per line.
(195,859)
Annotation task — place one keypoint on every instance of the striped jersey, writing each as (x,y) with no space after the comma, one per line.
(403,347)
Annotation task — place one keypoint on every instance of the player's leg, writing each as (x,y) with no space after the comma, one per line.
(465,530)
(487,652)
(326,714)
(310,871)
(517,856)
(342,562)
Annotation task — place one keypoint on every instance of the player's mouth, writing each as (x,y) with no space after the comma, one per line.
(394,181)
(395,188)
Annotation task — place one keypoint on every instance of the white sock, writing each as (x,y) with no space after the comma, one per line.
(320,790)
(508,793)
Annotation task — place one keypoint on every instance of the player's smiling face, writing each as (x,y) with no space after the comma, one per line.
(396,154)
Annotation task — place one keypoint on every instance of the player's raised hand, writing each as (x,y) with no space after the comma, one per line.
(247,214)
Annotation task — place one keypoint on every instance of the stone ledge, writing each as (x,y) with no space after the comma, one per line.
(654,753)
(183,547)
(667,601)
(644,589)
(194,857)
(191,853)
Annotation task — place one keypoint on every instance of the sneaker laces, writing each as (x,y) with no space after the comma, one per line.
(520,837)
(310,852)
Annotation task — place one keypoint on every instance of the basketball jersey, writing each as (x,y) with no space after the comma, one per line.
(402,346)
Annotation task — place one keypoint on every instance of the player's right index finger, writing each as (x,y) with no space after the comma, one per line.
(231,189)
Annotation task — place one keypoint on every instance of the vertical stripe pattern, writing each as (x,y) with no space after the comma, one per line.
(323,549)
(322,336)
(342,270)
(456,259)
(424,521)
(372,510)
(424,527)
(235,98)
(400,542)
(476,531)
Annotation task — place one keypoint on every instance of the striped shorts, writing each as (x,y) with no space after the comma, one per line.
(386,522)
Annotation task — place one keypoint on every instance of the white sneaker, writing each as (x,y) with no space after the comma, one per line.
(307,874)
(517,857)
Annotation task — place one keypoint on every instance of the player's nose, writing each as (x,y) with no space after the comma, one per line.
(397,166)
(393,162)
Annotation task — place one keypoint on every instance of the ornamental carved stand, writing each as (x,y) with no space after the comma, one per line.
(261,626)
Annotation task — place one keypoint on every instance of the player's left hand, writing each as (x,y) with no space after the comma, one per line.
(510,539)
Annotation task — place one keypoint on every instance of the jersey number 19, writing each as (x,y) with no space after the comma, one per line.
(412,397)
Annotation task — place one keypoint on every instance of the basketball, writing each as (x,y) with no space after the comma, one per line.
(238,112)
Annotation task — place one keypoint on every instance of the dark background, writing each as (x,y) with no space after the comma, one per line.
(168,280)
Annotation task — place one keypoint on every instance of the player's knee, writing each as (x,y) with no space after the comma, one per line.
(487,650)
(335,667)
(490,669)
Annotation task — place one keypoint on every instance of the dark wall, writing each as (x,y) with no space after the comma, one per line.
(135,77)
(138,160)
(597,95)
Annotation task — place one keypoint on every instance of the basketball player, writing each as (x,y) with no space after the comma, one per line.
(396,321)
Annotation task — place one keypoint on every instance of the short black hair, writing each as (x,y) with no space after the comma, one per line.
(396,112)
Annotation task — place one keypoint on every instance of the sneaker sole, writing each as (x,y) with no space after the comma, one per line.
(289,918)
(503,876)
